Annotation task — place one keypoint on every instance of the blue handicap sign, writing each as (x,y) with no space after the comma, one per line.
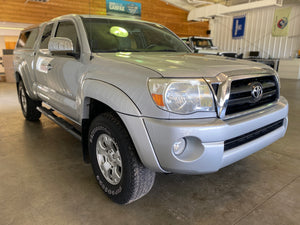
(238,27)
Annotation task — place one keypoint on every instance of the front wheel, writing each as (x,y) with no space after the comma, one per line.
(115,163)
(28,105)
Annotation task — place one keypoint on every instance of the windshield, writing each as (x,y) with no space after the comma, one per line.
(203,43)
(106,35)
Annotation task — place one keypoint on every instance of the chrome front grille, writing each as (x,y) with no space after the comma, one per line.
(239,93)
(241,96)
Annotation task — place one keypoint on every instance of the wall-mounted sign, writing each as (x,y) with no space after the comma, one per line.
(238,27)
(281,22)
(123,8)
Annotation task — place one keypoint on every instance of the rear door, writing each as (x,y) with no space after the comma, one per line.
(42,61)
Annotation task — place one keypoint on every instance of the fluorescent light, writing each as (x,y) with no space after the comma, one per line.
(11,28)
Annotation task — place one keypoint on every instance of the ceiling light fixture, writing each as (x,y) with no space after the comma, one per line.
(11,28)
(36,1)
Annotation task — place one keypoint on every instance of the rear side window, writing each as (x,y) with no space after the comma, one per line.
(46,36)
(27,38)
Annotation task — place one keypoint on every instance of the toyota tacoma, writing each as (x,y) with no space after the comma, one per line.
(141,102)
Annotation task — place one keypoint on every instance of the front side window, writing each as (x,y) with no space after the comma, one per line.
(67,29)
(106,35)
(46,36)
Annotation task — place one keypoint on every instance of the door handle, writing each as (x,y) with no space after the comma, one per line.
(49,67)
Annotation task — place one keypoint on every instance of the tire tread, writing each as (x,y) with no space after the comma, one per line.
(32,113)
(141,178)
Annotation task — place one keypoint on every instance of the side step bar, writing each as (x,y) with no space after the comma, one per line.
(60,121)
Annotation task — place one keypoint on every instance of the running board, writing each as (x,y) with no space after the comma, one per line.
(60,121)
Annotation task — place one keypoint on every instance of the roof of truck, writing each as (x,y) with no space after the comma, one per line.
(68,16)
(96,16)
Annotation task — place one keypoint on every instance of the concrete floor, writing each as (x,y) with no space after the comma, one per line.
(44,180)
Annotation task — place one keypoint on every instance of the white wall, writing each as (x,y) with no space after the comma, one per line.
(2,46)
(258,36)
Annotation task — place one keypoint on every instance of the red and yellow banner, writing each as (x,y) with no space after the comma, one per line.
(281,22)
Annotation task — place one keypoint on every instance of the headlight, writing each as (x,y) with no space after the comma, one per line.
(183,96)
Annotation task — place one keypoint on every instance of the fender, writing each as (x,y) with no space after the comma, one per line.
(128,112)
(108,94)
(24,73)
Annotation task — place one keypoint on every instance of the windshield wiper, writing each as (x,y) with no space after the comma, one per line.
(164,50)
(117,50)
(105,51)
(128,50)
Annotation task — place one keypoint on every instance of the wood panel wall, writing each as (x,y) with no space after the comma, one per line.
(152,10)
(172,17)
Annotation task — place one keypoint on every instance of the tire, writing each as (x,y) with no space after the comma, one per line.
(115,163)
(28,105)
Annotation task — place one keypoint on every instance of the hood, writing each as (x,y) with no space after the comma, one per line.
(172,64)
(208,51)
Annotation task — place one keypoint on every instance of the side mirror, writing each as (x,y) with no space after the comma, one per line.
(60,45)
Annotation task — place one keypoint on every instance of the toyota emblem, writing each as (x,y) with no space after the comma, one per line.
(257,91)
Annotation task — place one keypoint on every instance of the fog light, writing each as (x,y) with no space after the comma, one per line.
(179,146)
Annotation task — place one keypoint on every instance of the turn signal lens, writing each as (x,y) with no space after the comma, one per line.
(158,99)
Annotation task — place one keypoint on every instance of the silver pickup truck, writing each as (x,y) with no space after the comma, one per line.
(141,102)
(204,45)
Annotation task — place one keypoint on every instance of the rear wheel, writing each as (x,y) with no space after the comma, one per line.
(28,105)
(115,163)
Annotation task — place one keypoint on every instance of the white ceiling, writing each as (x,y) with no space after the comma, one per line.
(12,29)
(205,9)
(188,5)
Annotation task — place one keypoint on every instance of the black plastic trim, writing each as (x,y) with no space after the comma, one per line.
(243,139)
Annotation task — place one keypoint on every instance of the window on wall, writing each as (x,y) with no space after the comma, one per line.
(27,38)
(67,29)
(46,36)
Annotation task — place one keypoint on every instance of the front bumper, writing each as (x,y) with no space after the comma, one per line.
(205,139)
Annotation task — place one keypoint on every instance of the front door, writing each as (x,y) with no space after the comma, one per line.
(64,73)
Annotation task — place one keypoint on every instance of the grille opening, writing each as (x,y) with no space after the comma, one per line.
(243,139)
(215,88)
(240,95)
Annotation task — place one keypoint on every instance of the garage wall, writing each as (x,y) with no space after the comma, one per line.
(172,17)
(258,35)
(152,10)
(37,12)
